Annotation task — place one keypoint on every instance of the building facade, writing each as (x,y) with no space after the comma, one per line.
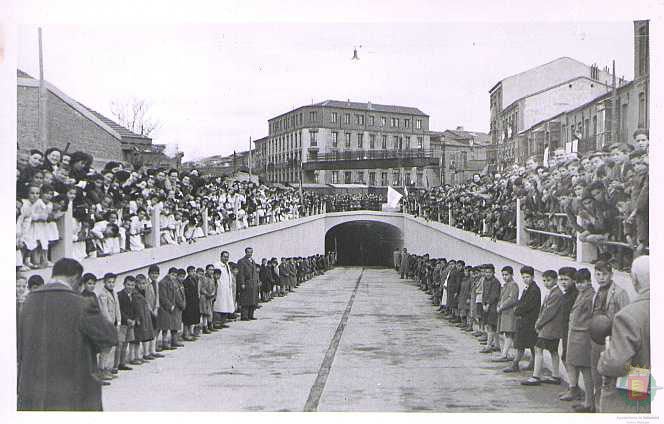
(596,123)
(520,101)
(348,142)
(461,154)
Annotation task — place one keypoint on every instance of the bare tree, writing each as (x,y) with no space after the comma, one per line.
(134,114)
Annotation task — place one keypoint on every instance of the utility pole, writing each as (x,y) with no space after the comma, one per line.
(614,108)
(249,157)
(43,94)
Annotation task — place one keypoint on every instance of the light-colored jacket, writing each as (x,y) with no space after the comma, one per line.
(109,305)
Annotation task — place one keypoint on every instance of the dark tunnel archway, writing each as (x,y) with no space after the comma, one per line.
(364,243)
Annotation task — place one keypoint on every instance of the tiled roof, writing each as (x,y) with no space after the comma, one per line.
(21,74)
(372,107)
(124,132)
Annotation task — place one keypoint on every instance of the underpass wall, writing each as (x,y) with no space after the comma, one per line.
(301,237)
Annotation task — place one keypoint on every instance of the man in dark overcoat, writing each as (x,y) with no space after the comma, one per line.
(247,284)
(59,334)
(526,312)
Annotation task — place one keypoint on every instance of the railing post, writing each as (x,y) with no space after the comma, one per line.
(324,207)
(438,212)
(65,248)
(450,218)
(585,252)
(206,222)
(521,233)
(155,235)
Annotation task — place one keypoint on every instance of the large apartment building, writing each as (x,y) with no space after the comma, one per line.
(348,142)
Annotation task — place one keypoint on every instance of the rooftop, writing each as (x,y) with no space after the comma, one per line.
(371,107)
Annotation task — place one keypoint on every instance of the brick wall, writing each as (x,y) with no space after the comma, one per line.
(65,125)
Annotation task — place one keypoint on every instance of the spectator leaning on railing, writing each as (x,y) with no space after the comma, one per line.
(602,196)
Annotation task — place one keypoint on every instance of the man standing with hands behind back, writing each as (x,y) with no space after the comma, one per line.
(247,284)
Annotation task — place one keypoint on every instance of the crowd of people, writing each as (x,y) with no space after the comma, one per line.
(112,330)
(354,202)
(601,196)
(598,335)
(112,208)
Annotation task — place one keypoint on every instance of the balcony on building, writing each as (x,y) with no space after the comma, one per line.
(369,159)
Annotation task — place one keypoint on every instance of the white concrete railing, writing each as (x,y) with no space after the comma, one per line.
(63,248)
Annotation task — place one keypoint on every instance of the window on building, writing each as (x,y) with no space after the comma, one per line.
(383,121)
(396,178)
(407,140)
(312,116)
(313,138)
(418,124)
(383,178)
(334,139)
(371,120)
(395,142)
(333,117)
(360,177)
(406,123)
(393,122)
(348,177)
(372,141)
(360,140)
(346,118)
(419,181)
(420,142)
(359,119)
(383,142)
(300,119)
(335,177)
(372,178)
(347,140)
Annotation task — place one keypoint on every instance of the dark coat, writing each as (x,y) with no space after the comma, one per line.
(549,324)
(463,299)
(126,308)
(191,314)
(166,319)
(509,298)
(453,286)
(283,275)
(566,306)
(265,276)
(526,313)
(59,334)
(490,296)
(247,282)
(180,302)
(143,330)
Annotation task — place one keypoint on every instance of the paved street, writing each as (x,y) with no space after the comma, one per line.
(336,344)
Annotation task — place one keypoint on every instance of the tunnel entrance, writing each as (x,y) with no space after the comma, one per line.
(364,243)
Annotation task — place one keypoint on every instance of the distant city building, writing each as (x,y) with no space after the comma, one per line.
(520,101)
(461,153)
(591,126)
(337,142)
(71,122)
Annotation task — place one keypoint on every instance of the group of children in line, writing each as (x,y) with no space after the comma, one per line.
(564,325)
(153,315)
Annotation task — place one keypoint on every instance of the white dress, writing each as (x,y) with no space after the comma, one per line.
(225,302)
(39,229)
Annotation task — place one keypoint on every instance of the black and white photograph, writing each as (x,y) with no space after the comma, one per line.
(356,207)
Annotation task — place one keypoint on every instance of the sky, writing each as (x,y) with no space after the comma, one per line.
(212,86)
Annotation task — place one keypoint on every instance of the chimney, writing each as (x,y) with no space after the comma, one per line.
(369,105)
(459,128)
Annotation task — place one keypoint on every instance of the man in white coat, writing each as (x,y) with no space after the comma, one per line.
(224,305)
